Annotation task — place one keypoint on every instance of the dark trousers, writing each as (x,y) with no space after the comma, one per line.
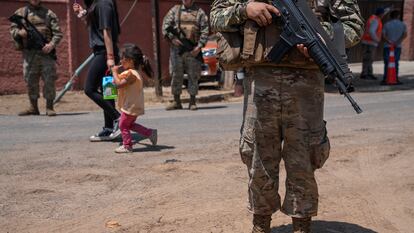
(367,59)
(397,54)
(93,88)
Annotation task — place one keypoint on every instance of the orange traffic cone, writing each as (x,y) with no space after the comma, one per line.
(391,78)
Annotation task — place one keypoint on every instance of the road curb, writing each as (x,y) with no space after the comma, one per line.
(374,85)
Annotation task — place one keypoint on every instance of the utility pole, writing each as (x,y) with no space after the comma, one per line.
(156,47)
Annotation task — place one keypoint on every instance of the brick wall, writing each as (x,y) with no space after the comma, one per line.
(408,45)
(73,49)
(11,63)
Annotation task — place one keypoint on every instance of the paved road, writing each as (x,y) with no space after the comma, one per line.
(211,123)
(52,179)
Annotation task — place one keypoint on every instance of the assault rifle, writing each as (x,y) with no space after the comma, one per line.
(301,26)
(187,45)
(35,39)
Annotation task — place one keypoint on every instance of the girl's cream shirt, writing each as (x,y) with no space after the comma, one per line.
(131,96)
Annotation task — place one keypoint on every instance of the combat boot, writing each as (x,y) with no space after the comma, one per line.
(49,108)
(32,110)
(176,104)
(192,106)
(261,223)
(301,225)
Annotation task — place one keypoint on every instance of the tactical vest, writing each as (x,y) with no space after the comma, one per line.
(256,42)
(39,17)
(256,50)
(187,22)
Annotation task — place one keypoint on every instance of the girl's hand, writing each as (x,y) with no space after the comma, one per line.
(115,69)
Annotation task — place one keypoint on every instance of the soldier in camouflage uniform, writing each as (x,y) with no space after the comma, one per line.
(284,112)
(193,23)
(38,63)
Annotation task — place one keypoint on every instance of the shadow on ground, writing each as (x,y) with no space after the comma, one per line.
(71,113)
(327,227)
(210,107)
(148,147)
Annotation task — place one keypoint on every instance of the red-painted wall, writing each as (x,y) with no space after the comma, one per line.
(11,62)
(408,44)
(137,29)
(74,47)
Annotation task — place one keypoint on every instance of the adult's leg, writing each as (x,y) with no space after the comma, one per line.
(49,77)
(264,173)
(192,66)
(178,73)
(31,74)
(386,54)
(366,54)
(32,71)
(367,60)
(246,144)
(93,83)
(306,145)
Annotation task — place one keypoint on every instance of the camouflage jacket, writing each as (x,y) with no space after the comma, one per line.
(45,21)
(202,31)
(229,15)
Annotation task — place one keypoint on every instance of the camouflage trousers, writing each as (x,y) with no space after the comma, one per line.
(184,64)
(37,65)
(283,120)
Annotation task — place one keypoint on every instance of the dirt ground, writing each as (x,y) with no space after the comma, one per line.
(367,185)
(75,101)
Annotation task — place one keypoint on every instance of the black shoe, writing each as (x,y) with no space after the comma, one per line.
(104,135)
(116,132)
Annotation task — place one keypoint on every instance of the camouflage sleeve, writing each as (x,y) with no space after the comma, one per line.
(227,15)
(14,29)
(350,15)
(204,29)
(169,20)
(54,27)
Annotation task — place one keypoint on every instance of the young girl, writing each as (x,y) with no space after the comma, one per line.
(131,95)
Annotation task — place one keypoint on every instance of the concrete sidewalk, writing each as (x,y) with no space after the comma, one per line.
(406,74)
